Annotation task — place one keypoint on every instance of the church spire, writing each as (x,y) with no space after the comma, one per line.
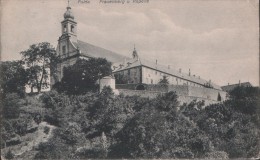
(69,25)
(68,14)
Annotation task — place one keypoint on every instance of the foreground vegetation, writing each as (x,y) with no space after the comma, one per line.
(103,125)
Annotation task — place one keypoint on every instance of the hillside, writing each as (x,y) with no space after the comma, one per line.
(55,125)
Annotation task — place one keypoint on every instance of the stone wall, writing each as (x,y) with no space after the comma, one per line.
(126,86)
(141,93)
(206,93)
(181,90)
(151,94)
(157,87)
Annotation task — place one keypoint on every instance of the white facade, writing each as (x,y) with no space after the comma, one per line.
(152,76)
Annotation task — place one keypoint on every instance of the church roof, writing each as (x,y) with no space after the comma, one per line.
(127,64)
(90,50)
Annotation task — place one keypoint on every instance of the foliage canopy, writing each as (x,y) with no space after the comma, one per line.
(40,59)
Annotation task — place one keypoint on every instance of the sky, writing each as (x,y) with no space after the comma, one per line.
(216,39)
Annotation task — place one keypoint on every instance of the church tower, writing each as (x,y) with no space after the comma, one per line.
(67,47)
(69,25)
(68,39)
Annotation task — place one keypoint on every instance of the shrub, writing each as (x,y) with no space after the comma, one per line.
(46,129)
(51,99)
(9,155)
(216,155)
(11,106)
(82,76)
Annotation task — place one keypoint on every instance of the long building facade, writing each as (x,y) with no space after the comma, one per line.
(142,71)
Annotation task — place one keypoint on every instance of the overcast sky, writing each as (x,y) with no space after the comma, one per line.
(216,39)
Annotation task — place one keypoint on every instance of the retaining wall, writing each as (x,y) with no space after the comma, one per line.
(206,93)
(151,94)
(141,93)
(181,90)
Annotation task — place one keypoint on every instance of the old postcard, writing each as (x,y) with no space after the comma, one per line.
(119,79)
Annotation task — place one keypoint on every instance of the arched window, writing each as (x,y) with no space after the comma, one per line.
(64,28)
(72,28)
(64,50)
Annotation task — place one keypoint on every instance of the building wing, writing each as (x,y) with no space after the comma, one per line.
(127,64)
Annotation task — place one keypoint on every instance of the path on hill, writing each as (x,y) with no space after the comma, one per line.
(39,137)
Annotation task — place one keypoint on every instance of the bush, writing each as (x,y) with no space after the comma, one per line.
(87,153)
(51,99)
(82,76)
(9,155)
(216,155)
(46,130)
(11,106)
(136,127)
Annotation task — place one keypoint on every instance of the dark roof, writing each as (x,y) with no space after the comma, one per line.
(90,50)
(232,86)
(142,62)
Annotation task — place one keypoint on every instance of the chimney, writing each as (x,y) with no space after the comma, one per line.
(179,70)
(121,66)
(228,84)
(156,61)
(189,72)
(239,83)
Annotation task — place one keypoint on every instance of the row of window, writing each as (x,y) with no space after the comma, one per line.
(153,80)
(172,79)
(71,28)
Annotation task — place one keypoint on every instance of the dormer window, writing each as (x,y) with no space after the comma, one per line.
(72,28)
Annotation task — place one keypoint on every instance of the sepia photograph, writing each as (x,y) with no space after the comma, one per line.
(129,79)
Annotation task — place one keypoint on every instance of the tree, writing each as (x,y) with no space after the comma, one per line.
(40,60)
(9,155)
(13,77)
(164,80)
(82,76)
(10,106)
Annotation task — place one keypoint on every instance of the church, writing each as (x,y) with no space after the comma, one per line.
(70,49)
(134,70)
